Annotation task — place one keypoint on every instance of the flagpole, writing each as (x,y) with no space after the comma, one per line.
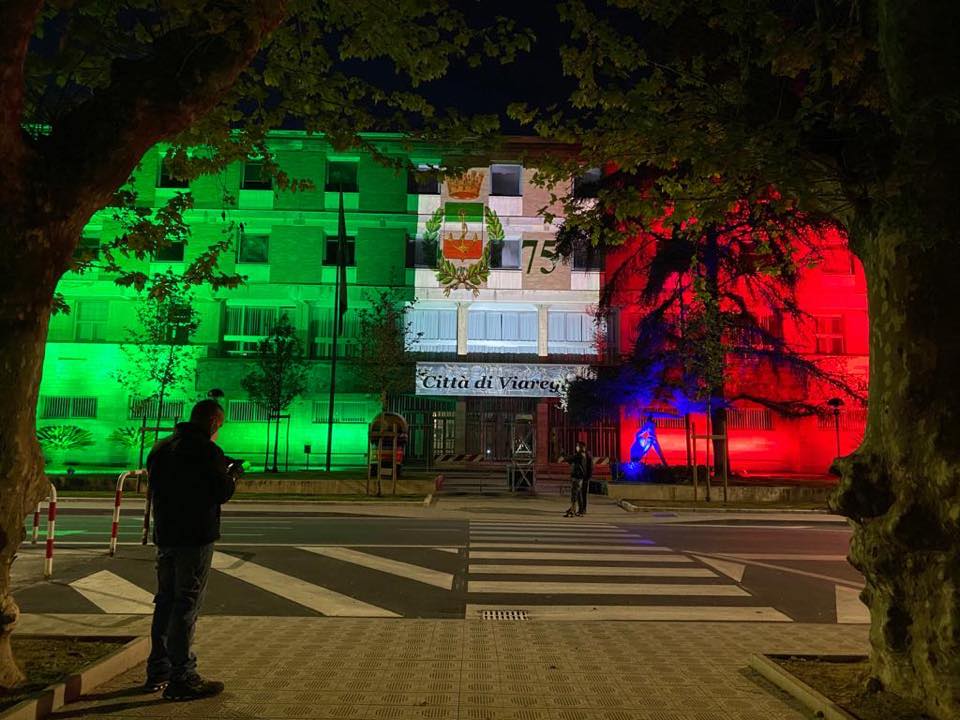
(336,330)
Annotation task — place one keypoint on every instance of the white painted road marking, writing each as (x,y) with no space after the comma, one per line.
(613,545)
(730,569)
(664,613)
(113,594)
(590,570)
(394,567)
(561,587)
(296,590)
(626,557)
(850,608)
(787,556)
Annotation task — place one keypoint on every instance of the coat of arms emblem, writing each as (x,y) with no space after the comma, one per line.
(463,232)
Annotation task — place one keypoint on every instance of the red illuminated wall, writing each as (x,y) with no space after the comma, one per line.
(761,441)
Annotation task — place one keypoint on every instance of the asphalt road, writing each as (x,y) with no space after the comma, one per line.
(329,562)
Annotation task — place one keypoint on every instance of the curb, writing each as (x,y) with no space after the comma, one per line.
(51,699)
(631,507)
(820,705)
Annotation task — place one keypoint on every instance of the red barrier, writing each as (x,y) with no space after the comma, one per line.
(51,525)
(117,498)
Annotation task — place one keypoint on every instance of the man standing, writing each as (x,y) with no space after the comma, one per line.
(189,480)
(587,462)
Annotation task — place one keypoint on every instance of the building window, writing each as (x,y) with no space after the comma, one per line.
(421,252)
(749,419)
(502,331)
(247,411)
(169,252)
(505,254)
(342,175)
(166,180)
(767,330)
(88,249)
(837,260)
(247,325)
(330,258)
(852,419)
(830,335)
(139,408)
(253,248)
(322,332)
(587,258)
(358,412)
(505,180)
(62,407)
(255,176)
(571,333)
(423,180)
(91,323)
(587,184)
(432,330)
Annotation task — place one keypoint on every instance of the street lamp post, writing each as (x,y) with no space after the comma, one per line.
(836,404)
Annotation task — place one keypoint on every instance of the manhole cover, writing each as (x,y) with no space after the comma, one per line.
(503,614)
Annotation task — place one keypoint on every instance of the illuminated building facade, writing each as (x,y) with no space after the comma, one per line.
(500,325)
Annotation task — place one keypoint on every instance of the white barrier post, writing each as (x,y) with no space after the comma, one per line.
(118,496)
(51,524)
(148,501)
(36,525)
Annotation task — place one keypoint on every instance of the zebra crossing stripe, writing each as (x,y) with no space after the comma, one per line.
(662,613)
(610,570)
(113,594)
(607,545)
(315,597)
(394,567)
(561,587)
(556,534)
(631,557)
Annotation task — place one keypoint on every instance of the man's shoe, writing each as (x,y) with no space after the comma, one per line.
(152,685)
(192,688)
(568,513)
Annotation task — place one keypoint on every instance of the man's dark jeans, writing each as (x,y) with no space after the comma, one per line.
(181,581)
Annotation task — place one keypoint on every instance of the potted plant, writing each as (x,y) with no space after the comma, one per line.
(127,437)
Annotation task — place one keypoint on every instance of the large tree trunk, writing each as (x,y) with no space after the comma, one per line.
(25,306)
(902,487)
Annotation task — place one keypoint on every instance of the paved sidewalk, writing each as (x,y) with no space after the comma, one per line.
(470,669)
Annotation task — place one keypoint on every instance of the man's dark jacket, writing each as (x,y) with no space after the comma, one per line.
(189,482)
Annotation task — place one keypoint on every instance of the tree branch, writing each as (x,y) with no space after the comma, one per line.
(93,150)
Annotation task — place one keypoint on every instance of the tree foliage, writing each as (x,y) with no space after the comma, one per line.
(849,110)
(385,337)
(280,373)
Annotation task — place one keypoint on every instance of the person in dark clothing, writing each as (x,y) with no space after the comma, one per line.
(190,478)
(581,468)
(587,462)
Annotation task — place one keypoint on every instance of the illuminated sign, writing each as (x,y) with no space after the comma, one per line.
(514,380)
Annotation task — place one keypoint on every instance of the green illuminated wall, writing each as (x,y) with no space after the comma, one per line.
(83,347)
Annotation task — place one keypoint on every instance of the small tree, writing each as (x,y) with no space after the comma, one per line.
(280,374)
(159,357)
(383,364)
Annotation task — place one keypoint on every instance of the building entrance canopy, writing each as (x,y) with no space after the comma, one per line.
(496,380)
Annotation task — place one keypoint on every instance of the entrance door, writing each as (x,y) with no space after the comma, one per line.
(490,425)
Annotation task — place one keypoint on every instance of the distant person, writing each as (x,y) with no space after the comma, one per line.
(581,467)
(190,478)
(587,476)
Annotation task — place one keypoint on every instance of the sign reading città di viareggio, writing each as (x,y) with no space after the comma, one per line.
(497,380)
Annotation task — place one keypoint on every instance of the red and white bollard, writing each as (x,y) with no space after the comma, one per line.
(51,525)
(36,525)
(117,498)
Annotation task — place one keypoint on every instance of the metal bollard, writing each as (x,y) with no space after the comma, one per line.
(51,524)
(36,525)
(117,499)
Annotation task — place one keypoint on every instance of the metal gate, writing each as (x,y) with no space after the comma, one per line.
(431,426)
(490,425)
(602,437)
